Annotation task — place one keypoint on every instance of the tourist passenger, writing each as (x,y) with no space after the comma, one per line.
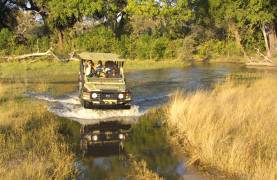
(100,69)
(116,71)
(99,65)
(108,68)
(89,69)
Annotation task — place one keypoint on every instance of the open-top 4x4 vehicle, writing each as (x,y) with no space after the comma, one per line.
(103,90)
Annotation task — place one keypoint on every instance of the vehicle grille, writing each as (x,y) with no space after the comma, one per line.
(109,95)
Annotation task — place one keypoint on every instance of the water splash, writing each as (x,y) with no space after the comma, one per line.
(69,106)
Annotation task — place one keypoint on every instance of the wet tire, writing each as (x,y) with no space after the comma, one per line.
(83,146)
(81,87)
(86,104)
(82,130)
(127,106)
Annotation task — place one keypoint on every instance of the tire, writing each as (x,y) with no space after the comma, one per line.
(81,85)
(127,106)
(83,146)
(86,104)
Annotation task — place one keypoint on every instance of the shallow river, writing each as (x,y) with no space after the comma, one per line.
(150,88)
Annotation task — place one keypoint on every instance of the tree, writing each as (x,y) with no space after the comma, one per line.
(163,18)
(7,15)
(244,17)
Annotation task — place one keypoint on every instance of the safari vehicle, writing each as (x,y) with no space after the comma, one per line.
(101,91)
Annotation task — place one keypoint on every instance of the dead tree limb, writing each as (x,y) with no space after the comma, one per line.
(49,52)
(264,56)
(265,61)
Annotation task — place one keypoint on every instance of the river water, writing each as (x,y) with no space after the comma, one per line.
(151,89)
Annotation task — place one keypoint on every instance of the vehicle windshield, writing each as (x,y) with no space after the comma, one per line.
(108,69)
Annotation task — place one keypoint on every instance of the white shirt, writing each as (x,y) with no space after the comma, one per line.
(88,70)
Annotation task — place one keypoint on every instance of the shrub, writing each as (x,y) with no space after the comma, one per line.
(149,47)
(6,40)
(158,49)
(143,47)
(211,47)
(98,39)
(125,47)
(216,47)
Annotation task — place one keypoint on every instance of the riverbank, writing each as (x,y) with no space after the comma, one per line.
(133,65)
(19,69)
(40,68)
(228,129)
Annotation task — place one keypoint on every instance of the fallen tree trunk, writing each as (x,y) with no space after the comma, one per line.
(49,52)
(264,61)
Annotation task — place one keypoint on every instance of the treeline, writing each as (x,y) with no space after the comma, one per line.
(141,29)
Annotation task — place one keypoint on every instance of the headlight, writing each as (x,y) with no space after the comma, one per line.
(121,136)
(94,95)
(94,137)
(120,96)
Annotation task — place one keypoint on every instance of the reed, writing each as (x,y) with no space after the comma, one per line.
(233,128)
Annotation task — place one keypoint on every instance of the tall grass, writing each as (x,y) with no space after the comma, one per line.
(233,128)
(30,145)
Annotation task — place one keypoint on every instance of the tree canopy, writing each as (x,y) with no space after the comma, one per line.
(163,28)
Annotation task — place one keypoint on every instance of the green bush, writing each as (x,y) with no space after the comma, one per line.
(231,48)
(125,47)
(148,47)
(143,47)
(158,49)
(212,47)
(98,39)
(6,40)
(215,48)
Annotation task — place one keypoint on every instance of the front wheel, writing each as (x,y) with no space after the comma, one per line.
(86,104)
(83,147)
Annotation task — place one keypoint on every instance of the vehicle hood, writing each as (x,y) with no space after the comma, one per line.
(105,86)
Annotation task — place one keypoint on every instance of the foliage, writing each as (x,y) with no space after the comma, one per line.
(143,29)
(97,40)
(6,39)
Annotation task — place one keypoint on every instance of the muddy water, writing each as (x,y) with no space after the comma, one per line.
(151,88)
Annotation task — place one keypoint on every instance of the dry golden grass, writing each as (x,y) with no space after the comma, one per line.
(30,145)
(233,128)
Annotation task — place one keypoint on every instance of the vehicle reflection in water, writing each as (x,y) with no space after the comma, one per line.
(104,133)
(108,157)
(102,148)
